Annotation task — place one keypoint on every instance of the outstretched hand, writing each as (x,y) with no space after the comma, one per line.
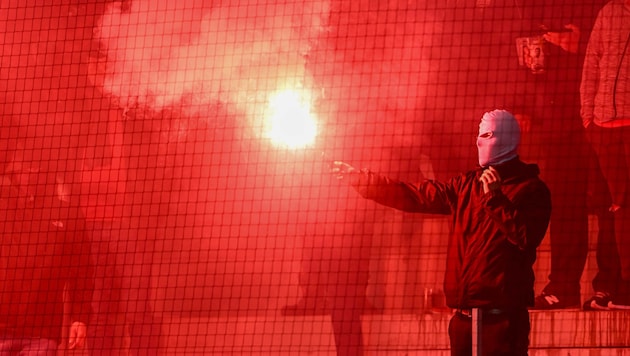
(490,179)
(341,169)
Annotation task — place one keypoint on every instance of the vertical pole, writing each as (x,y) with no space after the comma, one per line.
(476,332)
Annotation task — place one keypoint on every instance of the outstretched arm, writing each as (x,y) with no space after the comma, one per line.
(429,197)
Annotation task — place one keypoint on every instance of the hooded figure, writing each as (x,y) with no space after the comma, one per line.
(500,214)
(499,137)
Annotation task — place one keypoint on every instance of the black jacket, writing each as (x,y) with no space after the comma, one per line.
(494,236)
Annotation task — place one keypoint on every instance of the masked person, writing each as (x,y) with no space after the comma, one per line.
(500,213)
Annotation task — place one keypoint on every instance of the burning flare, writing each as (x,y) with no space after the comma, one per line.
(289,121)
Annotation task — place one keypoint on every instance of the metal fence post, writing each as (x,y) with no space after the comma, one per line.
(476,331)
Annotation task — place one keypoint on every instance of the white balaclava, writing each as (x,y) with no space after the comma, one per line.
(499,137)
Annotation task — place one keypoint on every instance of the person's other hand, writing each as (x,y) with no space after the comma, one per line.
(76,339)
(490,179)
(568,41)
(341,169)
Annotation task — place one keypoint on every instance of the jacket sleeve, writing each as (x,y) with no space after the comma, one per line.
(590,73)
(429,196)
(523,220)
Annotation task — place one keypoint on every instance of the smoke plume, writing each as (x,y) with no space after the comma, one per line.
(190,54)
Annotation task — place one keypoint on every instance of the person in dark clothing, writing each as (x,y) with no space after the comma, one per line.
(43,255)
(500,213)
(565,153)
(605,113)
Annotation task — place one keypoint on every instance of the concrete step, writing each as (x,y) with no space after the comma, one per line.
(567,332)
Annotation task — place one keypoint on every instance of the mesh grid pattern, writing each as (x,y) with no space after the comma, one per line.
(186,150)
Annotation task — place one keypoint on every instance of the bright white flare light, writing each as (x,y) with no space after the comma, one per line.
(289,121)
